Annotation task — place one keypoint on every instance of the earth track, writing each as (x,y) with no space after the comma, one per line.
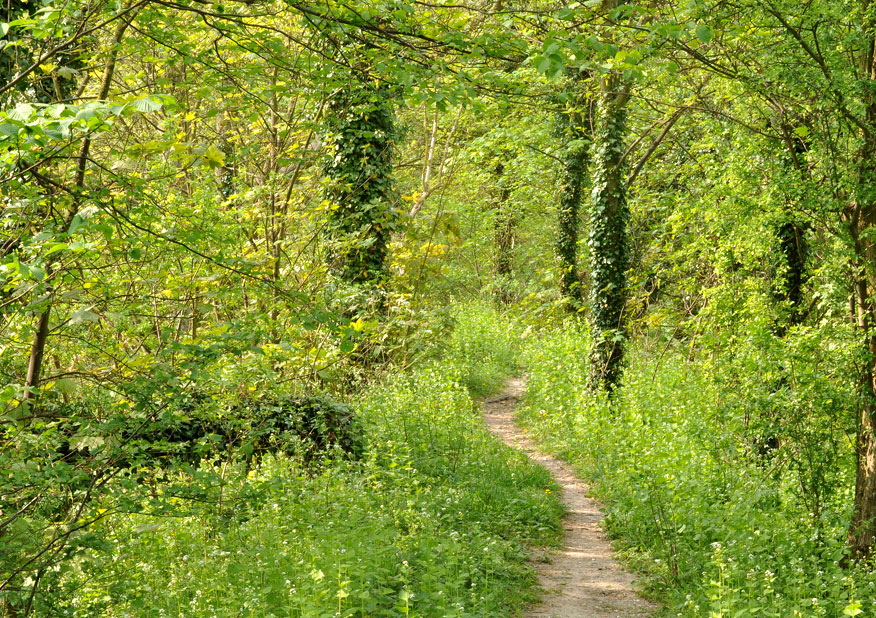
(582,579)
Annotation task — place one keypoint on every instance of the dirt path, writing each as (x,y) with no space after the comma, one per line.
(582,579)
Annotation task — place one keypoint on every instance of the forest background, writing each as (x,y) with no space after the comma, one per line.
(259,259)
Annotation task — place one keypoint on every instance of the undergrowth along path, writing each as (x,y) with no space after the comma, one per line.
(582,579)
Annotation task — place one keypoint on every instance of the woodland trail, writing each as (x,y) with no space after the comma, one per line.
(582,579)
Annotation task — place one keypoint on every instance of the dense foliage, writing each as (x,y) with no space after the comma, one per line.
(256,258)
(723,524)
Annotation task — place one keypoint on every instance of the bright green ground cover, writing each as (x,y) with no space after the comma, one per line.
(720,527)
(435,522)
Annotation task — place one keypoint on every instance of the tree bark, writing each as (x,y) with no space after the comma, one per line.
(861,221)
(862,531)
(504,238)
(573,179)
(37,349)
(609,244)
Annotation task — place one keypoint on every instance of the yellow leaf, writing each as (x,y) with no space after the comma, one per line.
(214,157)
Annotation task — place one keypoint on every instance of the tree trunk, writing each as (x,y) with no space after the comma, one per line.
(37,349)
(861,221)
(609,244)
(504,237)
(862,530)
(573,178)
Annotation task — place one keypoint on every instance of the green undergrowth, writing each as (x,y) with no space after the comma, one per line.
(435,520)
(721,524)
(484,346)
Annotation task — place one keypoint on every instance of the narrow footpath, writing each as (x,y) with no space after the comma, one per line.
(582,579)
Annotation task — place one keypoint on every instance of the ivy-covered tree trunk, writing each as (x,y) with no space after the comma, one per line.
(573,178)
(504,231)
(793,246)
(794,250)
(609,246)
(787,283)
(361,217)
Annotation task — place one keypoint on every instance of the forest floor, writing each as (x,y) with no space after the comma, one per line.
(581,579)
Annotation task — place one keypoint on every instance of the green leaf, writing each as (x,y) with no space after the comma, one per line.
(551,47)
(704,33)
(54,248)
(595,44)
(544,64)
(22,112)
(22,22)
(347,346)
(853,609)
(147,104)
(83,315)
(68,72)
(88,111)
(214,157)
(10,130)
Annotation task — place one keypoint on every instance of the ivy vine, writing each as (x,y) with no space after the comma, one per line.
(359,189)
(609,246)
(575,159)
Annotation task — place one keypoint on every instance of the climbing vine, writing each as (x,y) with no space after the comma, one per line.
(570,126)
(361,140)
(504,234)
(609,247)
